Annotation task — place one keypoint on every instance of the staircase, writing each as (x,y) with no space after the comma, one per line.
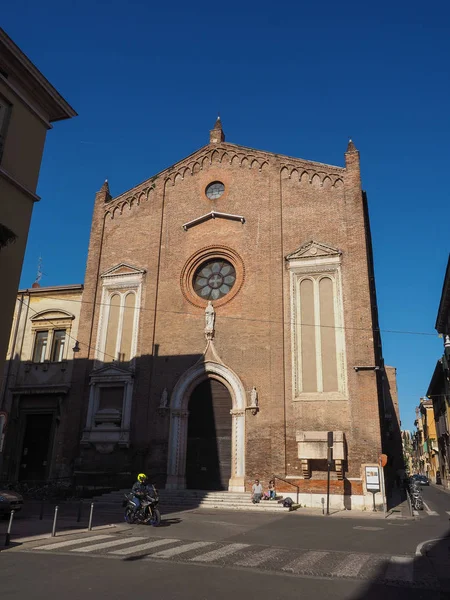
(179,500)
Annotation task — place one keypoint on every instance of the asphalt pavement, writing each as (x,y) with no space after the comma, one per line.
(212,554)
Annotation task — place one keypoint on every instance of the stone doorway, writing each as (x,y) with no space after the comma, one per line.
(179,417)
(208,457)
(36,446)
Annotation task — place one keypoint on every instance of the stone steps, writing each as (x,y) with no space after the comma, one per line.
(192,499)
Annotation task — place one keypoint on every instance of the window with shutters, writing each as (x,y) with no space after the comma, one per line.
(51,331)
(317,324)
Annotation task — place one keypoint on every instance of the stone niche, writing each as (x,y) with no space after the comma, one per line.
(313,445)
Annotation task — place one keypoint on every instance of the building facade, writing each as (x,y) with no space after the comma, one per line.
(28,106)
(37,379)
(426,440)
(439,389)
(228,326)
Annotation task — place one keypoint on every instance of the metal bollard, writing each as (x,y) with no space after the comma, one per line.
(8,533)
(80,506)
(41,514)
(54,522)
(90,517)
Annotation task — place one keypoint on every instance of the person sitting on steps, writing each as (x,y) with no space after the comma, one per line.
(272,492)
(257,492)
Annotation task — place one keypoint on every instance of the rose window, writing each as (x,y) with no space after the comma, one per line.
(214,279)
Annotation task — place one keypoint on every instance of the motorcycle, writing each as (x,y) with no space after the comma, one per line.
(416,495)
(147,513)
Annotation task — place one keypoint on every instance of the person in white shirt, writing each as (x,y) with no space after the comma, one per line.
(257,492)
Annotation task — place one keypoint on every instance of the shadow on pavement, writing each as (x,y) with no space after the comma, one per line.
(428,574)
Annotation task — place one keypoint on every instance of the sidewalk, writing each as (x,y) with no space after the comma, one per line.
(27,523)
(441,488)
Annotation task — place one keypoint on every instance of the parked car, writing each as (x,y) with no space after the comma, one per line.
(422,479)
(9,501)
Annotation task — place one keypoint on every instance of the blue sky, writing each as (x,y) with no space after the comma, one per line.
(297,78)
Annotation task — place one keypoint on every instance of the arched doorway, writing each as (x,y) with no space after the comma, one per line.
(179,417)
(208,456)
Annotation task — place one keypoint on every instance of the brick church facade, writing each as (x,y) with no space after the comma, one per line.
(228,323)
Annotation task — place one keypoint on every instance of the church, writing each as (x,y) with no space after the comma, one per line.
(229,331)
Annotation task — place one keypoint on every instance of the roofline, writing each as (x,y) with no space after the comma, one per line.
(61,107)
(445,299)
(222,144)
(437,373)
(53,288)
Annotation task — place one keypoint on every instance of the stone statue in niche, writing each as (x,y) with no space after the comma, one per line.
(164,402)
(210,317)
(254,400)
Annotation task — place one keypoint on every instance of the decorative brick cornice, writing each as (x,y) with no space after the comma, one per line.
(235,156)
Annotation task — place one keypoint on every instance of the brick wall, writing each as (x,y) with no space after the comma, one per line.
(285,203)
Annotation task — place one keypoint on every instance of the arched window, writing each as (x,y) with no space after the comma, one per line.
(318,341)
(112,329)
(120,328)
(127,326)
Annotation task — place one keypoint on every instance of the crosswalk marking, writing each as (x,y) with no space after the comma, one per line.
(140,547)
(253,560)
(180,549)
(71,542)
(401,568)
(220,553)
(432,513)
(110,544)
(351,565)
(305,562)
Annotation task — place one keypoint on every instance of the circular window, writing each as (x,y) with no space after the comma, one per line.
(213,273)
(215,190)
(214,279)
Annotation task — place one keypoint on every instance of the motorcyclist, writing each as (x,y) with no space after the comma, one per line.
(140,489)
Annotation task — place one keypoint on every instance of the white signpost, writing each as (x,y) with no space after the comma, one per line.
(373,482)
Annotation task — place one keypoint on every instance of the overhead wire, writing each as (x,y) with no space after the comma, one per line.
(259,320)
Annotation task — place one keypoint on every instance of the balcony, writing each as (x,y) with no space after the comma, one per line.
(44,374)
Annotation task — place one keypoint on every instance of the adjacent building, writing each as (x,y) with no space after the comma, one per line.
(425,443)
(38,376)
(28,106)
(229,330)
(408,458)
(439,388)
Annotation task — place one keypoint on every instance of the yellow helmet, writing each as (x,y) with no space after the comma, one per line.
(142,477)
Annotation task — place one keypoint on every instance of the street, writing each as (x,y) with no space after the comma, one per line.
(213,554)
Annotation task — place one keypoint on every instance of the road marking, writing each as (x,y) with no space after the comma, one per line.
(305,562)
(71,542)
(432,513)
(103,545)
(351,565)
(138,548)
(400,568)
(180,549)
(448,512)
(220,553)
(253,560)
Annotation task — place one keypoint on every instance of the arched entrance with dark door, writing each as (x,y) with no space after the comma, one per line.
(208,456)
